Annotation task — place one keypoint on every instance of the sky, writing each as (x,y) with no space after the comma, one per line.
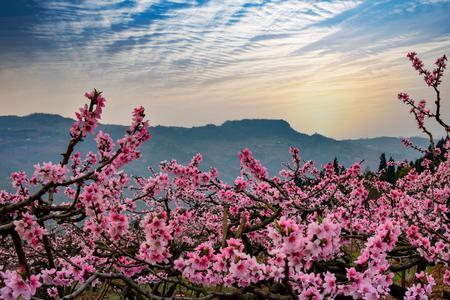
(331,67)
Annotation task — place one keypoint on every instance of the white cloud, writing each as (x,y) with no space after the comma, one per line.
(255,58)
(210,39)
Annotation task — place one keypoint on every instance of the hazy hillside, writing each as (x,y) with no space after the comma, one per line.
(42,137)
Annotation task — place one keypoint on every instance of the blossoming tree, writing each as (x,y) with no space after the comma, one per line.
(83,226)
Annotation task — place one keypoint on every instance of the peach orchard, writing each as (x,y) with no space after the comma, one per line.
(82,226)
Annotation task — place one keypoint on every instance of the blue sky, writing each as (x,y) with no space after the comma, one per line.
(332,67)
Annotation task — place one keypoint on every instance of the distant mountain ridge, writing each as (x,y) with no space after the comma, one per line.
(39,137)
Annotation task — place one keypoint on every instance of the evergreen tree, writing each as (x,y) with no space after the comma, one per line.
(418,165)
(383,164)
(390,171)
(337,169)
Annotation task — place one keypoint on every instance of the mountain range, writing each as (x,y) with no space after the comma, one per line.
(39,137)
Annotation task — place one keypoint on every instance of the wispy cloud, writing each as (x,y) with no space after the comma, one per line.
(315,63)
(191,41)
